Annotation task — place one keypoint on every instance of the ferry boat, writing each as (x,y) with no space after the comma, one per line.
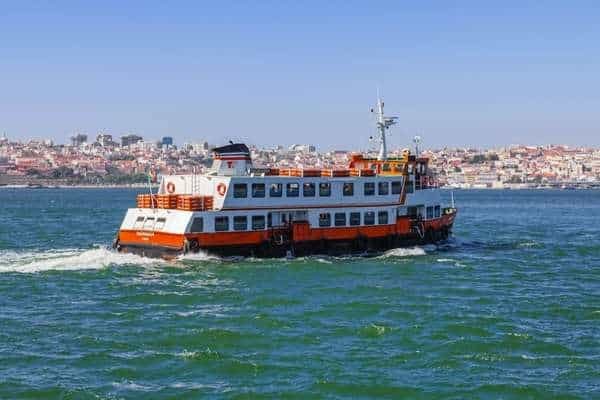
(233,209)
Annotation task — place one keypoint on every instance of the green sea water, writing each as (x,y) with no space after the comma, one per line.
(508,309)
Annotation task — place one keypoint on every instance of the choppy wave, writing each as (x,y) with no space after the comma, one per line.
(66,260)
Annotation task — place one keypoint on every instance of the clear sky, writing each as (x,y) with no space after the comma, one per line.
(455,72)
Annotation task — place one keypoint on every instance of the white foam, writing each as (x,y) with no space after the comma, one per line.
(199,256)
(404,252)
(66,260)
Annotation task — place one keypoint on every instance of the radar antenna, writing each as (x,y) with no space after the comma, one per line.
(383,124)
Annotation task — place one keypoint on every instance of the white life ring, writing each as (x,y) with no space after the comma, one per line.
(221,189)
(170,187)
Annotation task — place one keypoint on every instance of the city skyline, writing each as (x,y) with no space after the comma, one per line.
(458,75)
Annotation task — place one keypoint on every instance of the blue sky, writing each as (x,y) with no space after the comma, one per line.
(456,73)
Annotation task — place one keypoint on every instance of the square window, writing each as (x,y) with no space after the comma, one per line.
(369,188)
(348,189)
(292,190)
(340,219)
(354,218)
(221,224)
(240,223)
(429,212)
(384,188)
(324,219)
(258,190)
(369,218)
(139,222)
(308,189)
(396,187)
(438,211)
(382,217)
(258,222)
(276,190)
(240,190)
(324,189)
(160,224)
(197,225)
(149,223)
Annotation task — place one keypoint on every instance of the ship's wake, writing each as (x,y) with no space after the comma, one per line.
(67,260)
(98,258)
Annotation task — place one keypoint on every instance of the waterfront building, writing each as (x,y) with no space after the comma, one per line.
(128,140)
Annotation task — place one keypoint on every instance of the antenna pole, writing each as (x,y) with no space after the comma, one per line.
(383,123)
(381,128)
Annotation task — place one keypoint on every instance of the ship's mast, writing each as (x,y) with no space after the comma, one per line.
(383,123)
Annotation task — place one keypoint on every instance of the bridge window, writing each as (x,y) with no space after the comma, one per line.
(369,218)
(396,187)
(340,219)
(429,212)
(324,189)
(437,211)
(221,224)
(258,190)
(197,225)
(369,188)
(382,217)
(348,189)
(240,223)
(308,189)
(383,188)
(240,190)
(292,190)
(354,218)
(275,190)
(324,219)
(258,222)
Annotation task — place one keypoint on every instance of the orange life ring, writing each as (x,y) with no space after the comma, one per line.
(221,189)
(170,187)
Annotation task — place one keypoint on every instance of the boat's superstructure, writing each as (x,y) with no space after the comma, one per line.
(234,209)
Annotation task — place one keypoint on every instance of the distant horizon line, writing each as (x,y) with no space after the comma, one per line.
(327,148)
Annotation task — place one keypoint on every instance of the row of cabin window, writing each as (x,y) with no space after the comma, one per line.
(309,189)
(339,219)
(240,222)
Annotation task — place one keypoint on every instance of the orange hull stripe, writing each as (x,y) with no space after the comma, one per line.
(301,233)
(147,238)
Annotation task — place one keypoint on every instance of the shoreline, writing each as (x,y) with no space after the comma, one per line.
(36,186)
